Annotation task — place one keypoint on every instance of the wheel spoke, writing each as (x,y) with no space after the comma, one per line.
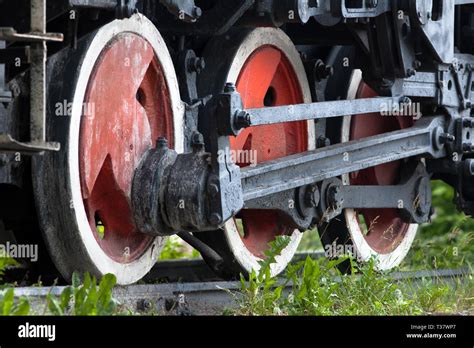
(257,75)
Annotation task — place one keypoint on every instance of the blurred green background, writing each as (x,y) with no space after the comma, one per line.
(447,242)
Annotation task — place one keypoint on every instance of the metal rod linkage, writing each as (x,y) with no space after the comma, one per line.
(320,110)
(333,161)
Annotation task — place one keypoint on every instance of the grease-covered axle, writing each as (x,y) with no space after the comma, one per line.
(181,192)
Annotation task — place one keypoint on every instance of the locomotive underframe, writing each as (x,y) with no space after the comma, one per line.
(408,58)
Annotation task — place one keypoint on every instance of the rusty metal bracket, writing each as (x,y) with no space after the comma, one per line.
(8,144)
(10,34)
(38,56)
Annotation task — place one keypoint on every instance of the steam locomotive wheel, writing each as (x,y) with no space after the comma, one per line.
(378,233)
(267,71)
(121,94)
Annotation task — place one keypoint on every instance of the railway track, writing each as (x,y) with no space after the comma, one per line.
(228,124)
(191,288)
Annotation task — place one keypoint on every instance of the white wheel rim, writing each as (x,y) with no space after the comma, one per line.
(140,25)
(362,249)
(255,39)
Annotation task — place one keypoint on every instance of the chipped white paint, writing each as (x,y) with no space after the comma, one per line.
(255,39)
(138,24)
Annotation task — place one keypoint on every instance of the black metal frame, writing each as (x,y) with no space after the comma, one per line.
(445,85)
(408,57)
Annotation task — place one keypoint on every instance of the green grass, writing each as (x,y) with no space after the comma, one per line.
(318,288)
(448,242)
(310,242)
(175,249)
(9,306)
(85,298)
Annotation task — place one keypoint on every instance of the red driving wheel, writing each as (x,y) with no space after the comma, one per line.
(383,228)
(267,70)
(122,95)
(268,79)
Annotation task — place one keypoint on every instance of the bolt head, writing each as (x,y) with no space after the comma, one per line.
(405,100)
(445,138)
(196,64)
(334,196)
(229,87)
(15,88)
(242,119)
(468,147)
(322,71)
(197,142)
(323,142)
(199,64)
(144,305)
(411,72)
(162,143)
(197,12)
(468,122)
(311,197)
(197,138)
(329,70)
